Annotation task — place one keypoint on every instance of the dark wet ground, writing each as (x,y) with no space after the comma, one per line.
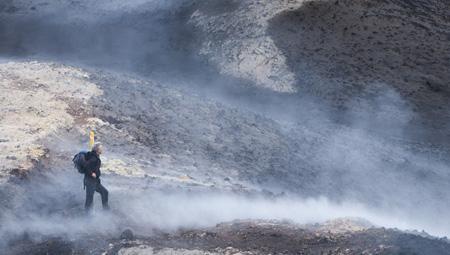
(255,237)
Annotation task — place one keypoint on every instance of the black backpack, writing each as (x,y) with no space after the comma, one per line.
(79,161)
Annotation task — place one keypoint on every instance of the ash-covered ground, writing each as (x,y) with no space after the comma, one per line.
(230,127)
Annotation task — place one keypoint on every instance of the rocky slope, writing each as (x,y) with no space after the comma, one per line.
(162,139)
(340,52)
(338,101)
(335,53)
(141,121)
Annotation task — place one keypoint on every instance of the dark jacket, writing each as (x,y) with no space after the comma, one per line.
(93,164)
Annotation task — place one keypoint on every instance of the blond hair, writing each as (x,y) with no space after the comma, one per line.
(96,146)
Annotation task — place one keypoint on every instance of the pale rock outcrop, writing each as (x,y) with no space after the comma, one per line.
(35,99)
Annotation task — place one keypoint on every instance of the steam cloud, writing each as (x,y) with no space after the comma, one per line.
(367,158)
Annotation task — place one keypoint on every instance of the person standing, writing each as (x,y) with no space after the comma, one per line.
(92,181)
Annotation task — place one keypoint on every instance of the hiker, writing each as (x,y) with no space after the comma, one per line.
(92,177)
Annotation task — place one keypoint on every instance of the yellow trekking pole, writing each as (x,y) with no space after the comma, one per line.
(91,139)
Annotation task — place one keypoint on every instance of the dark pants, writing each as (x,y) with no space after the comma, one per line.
(93,185)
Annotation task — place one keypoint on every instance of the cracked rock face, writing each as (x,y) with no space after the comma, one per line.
(237,42)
